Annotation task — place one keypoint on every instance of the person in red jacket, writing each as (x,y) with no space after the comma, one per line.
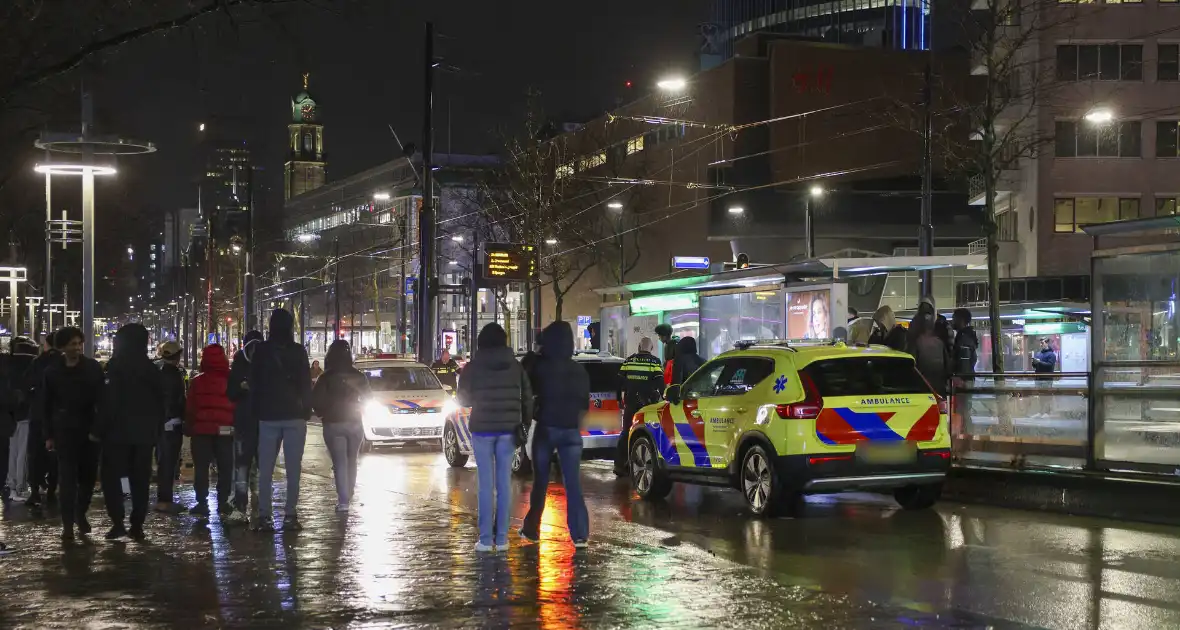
(209,422)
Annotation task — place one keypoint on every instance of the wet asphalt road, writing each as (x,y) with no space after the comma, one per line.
(404,558)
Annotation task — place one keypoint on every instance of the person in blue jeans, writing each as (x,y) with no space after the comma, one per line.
(339,398)
(280,399)
(498,391)
(562,388)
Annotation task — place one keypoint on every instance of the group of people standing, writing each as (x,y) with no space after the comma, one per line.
(549,392)
(91,425)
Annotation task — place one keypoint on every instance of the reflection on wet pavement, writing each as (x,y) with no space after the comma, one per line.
(404,558)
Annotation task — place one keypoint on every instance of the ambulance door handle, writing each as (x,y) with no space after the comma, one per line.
(740,410)
(694,413)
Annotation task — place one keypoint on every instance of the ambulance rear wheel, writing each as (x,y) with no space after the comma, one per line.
(760,483)
(649,481)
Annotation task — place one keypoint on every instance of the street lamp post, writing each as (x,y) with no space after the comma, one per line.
(814,194)
(86,148)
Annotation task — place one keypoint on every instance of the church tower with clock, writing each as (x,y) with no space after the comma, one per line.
(305,161)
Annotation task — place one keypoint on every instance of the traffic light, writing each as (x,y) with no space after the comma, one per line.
(743,261)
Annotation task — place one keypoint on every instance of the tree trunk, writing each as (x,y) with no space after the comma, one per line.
(993,274)
(558,299)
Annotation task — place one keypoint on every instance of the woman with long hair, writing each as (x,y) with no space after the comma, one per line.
(339,400)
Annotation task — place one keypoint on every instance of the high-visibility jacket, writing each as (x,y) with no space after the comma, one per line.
(641,380)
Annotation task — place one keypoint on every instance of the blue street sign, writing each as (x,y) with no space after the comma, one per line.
(410,286)
(690,262)
(583,320)
(212,339)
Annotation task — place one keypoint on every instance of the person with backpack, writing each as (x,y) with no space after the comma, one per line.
(498,391)
(237,388)
(209,424)
(128,426)
(929,348)
(562,389)
(171,438)
(339,399)
(280,399)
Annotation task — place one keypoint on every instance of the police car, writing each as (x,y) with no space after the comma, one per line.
(601,426)
(777,420)
(409,404)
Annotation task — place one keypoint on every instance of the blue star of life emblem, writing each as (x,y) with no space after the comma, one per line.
(780,384)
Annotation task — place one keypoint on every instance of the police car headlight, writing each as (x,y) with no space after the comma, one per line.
(376,414)
(449,407)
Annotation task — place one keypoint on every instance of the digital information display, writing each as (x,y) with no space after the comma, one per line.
(507,262)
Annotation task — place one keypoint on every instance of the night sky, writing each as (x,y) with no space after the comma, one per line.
(365,64)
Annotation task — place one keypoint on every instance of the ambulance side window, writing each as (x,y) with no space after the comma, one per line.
(702,384)
(742,375)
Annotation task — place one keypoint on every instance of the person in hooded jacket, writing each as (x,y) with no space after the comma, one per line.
(209,424)
(128,427)
(886,331)
(929,350)
(687,360)
(237,388)
(339,400)
(69,399)
(280,400)
(562,389)
(500,395)
(171,438)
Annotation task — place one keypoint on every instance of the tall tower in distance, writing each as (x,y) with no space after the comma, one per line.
(305,162)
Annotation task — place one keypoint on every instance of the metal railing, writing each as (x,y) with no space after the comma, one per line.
(1022,420)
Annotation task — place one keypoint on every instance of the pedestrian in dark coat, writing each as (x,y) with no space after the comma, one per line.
(245,431)
(562,389)
(500,395)
(687,360)
(69,399)
(128,426)
(280,399)
(43,463)
(339,399)
(209,424)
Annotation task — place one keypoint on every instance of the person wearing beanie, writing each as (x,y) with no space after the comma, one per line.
(245,432)
(171,438)
(280,400)
(130,419)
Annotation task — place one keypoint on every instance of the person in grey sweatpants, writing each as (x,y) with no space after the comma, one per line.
(339,399)
(280,398)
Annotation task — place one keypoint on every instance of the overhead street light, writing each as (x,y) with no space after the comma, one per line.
(1099,116)
(307,238)
(458,238)
(816,190)
(381,196)
(672,84)
(550,241)
(615,205)
(736,210)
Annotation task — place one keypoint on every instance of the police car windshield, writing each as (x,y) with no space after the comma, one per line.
(399,378)
(862,376)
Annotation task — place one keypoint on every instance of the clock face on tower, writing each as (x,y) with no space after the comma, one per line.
(307,109)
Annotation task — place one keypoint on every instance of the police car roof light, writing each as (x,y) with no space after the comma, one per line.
(746,344)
